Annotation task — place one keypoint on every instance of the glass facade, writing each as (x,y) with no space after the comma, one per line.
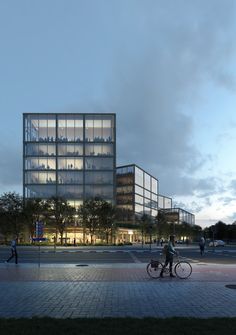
(69,155)
(74,156)
(138,194)
(146,191)
(178,215)
(164,202)
(137,191)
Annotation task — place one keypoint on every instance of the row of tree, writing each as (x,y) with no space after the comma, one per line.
(162,228)
(221,231)
(96,217)
(18,216)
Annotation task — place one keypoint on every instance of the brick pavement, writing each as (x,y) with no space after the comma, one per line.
(116,290)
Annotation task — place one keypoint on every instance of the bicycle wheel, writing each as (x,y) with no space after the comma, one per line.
(154,269)
(183,269)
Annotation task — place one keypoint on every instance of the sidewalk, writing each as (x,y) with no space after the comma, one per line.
(114,290)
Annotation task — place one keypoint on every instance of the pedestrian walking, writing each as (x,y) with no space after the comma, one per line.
(202,246)
(13,251)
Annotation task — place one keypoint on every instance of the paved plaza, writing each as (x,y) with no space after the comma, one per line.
(114,290)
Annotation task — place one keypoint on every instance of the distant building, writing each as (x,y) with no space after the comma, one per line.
(178,215)
(137,193)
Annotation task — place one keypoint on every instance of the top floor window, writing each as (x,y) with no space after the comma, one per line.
(70,128)
(138,176)
(40,128)
(99,128)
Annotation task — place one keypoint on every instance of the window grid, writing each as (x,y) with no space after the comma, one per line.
(57,153)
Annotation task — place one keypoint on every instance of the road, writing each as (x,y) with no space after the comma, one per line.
(124,254)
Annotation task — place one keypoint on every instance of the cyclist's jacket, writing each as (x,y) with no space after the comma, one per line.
(170,250)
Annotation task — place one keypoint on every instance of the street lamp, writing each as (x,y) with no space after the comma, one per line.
(150,236)
(213,237)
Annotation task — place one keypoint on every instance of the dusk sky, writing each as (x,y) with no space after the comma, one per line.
(167,68)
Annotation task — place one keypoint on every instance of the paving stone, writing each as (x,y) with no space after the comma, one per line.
(108,292)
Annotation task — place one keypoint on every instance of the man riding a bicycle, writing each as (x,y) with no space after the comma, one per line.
(170,252)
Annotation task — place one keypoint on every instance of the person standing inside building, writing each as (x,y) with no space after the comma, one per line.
(170,252)
(13,251)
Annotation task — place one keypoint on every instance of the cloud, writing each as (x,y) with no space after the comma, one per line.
(195,206)
(162,61)
(175,184)
(155,57)
(206,187)
(232,218)
(10,168)
(226,200)
(232,186)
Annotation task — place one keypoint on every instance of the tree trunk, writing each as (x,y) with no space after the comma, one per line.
(84,232)
(32,230)
(61,233)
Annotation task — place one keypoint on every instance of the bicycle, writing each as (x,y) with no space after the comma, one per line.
(182,269)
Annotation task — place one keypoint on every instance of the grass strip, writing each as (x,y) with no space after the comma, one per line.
(118,326)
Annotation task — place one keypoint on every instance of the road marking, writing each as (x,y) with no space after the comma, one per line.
(134,258)
(104,251)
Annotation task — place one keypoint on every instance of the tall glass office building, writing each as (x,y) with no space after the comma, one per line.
(69,155)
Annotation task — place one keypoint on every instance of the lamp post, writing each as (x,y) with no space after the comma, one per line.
(142,237)
(174,221)
(75,227)
(213,237)
(156,223)
(150,236)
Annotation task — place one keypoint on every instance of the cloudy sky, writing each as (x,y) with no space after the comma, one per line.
(167,68)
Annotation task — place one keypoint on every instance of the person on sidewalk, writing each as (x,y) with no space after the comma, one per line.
(170,252)
(13,251)
(202,246)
